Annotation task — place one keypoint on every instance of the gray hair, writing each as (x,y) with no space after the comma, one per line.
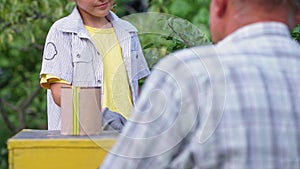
(293,3)
(269,4)
(298,3)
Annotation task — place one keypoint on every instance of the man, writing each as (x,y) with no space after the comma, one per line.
(231,105)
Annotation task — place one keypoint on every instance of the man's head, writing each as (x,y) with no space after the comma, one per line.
(226,16)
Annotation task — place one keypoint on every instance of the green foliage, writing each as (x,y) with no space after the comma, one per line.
(163,34)
(171,25)
(4,135)
(195,11)
(296,33)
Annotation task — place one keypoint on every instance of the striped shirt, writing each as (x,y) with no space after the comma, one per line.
(71,55)
(234,105)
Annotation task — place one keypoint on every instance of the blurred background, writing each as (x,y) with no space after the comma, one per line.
(23,28)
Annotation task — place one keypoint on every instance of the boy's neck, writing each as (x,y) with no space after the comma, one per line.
(97,22)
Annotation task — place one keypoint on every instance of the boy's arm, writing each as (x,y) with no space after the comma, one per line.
(56,92)
(54,83)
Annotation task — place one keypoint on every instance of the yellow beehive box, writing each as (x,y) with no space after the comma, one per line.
(43,149)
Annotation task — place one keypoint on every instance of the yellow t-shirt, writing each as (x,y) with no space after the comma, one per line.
(116,89)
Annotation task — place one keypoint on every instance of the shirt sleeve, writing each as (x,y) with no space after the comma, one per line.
(57,56)
(46,80)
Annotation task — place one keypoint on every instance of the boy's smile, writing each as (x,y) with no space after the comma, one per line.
(103,5)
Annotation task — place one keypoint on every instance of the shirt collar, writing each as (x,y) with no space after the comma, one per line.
(255,30)
(74,23)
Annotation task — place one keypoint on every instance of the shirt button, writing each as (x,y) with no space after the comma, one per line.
(99,81)
(78,56)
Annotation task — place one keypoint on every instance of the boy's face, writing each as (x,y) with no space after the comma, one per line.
(95,8)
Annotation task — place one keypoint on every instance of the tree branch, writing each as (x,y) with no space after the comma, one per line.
(4,114)
(187,43)
(26,103)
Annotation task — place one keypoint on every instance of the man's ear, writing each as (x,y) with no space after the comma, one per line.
(221,7)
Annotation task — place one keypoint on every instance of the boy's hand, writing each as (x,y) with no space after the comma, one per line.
(113,119)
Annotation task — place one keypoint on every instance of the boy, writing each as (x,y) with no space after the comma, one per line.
(92,47)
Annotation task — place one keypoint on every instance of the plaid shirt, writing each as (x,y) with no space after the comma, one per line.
(234,105)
